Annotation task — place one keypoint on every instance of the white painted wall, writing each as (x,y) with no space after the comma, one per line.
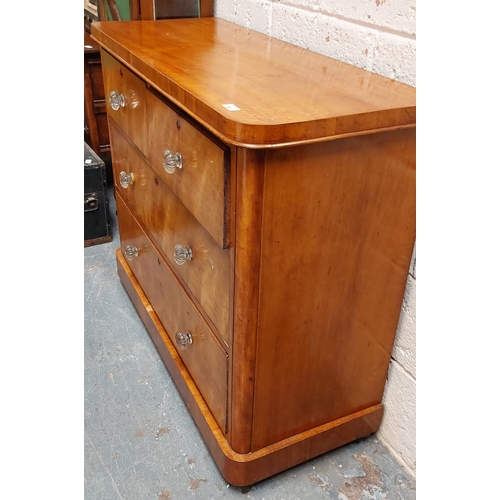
(376,35)
(398,429)
(379,36)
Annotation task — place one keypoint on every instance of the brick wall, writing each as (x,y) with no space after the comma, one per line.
(379,36)
(376,35)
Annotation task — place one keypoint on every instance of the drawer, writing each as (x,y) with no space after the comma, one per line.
(169,223)
(129,106)
(201,182)
(203,355)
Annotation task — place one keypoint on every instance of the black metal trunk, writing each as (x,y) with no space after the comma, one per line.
(97,226)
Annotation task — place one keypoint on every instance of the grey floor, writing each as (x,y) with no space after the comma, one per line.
(140,441)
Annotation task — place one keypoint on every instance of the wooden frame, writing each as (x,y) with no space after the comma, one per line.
(147,10)
(91,7)
(143,9)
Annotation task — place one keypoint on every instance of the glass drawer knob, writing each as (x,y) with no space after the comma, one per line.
(181,254)
(183,340)
(126,180)
(131,252)
(171,161)
(116,101)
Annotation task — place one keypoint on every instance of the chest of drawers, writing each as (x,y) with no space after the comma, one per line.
(266,208)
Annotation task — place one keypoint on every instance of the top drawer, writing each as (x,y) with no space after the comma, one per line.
(125,99)
(193,166)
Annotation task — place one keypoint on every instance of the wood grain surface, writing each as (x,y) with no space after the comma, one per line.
(283,93)
(334,260)
(248,227)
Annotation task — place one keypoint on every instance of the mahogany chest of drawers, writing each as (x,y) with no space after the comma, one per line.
(266,209)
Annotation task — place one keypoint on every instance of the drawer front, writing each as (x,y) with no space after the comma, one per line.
(201,182)
(127,92)
(204,357)
(169,223)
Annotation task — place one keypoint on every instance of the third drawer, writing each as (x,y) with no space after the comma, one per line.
(201,352)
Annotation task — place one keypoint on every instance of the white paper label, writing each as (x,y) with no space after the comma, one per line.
(231,107)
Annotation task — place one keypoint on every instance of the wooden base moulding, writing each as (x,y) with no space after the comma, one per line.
(244,469)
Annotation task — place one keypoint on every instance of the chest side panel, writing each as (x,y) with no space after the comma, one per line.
(337,237)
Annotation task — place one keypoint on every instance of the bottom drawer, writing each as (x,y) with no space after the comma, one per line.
(203,355)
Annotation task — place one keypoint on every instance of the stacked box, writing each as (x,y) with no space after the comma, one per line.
(97,224)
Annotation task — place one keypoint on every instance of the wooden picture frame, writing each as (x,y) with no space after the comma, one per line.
(114,10)
(145,9)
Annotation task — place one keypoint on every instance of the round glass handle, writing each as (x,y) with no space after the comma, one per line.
(126,180)
(171,161)
(183,340)
(181,254)
(131,252)
(116,101)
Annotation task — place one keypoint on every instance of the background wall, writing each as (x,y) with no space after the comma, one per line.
(379,36)
(376,35)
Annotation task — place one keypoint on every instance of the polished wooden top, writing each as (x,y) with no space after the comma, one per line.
(277,93)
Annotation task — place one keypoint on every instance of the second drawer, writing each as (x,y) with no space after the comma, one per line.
(197,259)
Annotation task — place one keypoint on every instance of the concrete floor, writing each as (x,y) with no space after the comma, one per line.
(140,441)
